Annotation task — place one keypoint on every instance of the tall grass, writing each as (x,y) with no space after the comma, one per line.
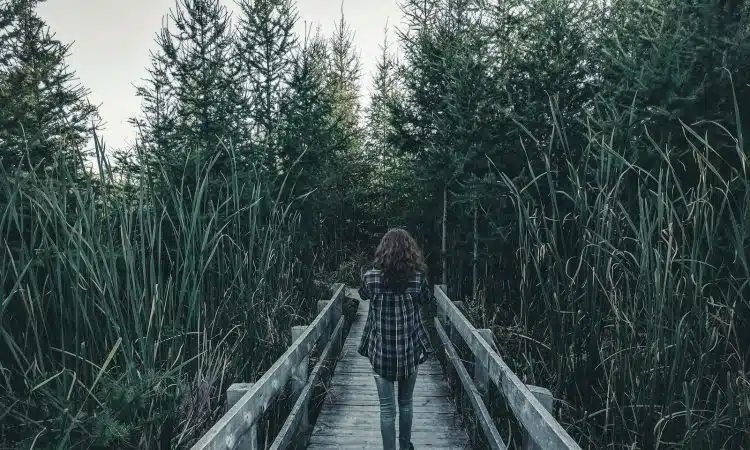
(635,301)
(127,309)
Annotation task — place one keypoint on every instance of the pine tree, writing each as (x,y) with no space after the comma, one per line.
(191,102)
(442,124)
(45,117)
(264,45)
(378,116)
(157,148)
(306,112)
(344,83)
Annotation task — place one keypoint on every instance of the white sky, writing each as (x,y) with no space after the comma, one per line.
(112,38)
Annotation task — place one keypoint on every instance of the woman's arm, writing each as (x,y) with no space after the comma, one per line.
(426,294)
(364,293)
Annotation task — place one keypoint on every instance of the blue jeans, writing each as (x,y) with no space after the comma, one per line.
(388,411)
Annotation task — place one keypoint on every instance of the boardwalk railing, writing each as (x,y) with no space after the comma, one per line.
(247,402)
(541,429)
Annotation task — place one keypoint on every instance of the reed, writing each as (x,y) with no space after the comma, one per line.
(635,294)
(126,308)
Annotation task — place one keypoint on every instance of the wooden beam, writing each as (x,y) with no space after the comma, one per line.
(483,416)
(481,375)
(326,334)
(533,416)
(548,401)
(249,440)
(299,375)
(450,330)
(244,414)
(235,392)
(289,431)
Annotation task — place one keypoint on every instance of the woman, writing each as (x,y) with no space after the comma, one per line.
(394,337)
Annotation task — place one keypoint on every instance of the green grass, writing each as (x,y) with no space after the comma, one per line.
(635,305)
(127,310)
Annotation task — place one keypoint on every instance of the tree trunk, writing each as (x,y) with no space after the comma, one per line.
(443,249)
(475,258)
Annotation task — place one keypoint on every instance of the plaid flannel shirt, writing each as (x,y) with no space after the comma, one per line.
(394,338)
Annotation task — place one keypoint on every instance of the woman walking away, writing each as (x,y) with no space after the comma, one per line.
(394,338)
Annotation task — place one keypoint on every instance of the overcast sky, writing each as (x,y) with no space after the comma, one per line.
(112,38)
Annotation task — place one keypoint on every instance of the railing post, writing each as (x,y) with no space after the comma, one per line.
(452,332)
(547,400)
(328,329)
(299,376)
(248,441)
(481,373)
(442,315)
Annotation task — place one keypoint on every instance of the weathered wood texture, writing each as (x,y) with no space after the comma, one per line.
(240,419)
(350,417)
(292,433)
(482,415)
(539,423)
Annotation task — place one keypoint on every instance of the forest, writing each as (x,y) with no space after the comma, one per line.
(575,170)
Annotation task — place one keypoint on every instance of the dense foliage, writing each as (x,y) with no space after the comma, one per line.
(134,293)
(584,166)
(575,169)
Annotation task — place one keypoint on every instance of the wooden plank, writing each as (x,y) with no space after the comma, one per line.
(241,417)
(480,410)
(538,422)
(347,395)
(420,422)
(373,439)
(375,444)
(359,379)
(365,414)
(423,383)
(547,400)
(444,403)
(235,393)
(297,415)
(323,442)
(481,376)
(298,379)
(371,421)
(363,370)
(249,440)
(435,433)
(366,410)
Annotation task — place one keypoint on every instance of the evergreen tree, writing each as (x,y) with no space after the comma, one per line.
(45,116)
(157,126)
(307,109)
(378,118)
(264,53)
(660,61)
(344,83)
(443,124)
(191,102)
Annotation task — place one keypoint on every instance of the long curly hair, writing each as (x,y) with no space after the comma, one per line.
(398,256)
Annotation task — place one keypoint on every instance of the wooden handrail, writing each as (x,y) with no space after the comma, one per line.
(542,428)
(244,414)
(494,439)
(288,433)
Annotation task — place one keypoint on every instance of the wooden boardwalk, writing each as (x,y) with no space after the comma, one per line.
(350,416)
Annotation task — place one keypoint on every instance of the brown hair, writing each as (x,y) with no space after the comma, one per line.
(399,257)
